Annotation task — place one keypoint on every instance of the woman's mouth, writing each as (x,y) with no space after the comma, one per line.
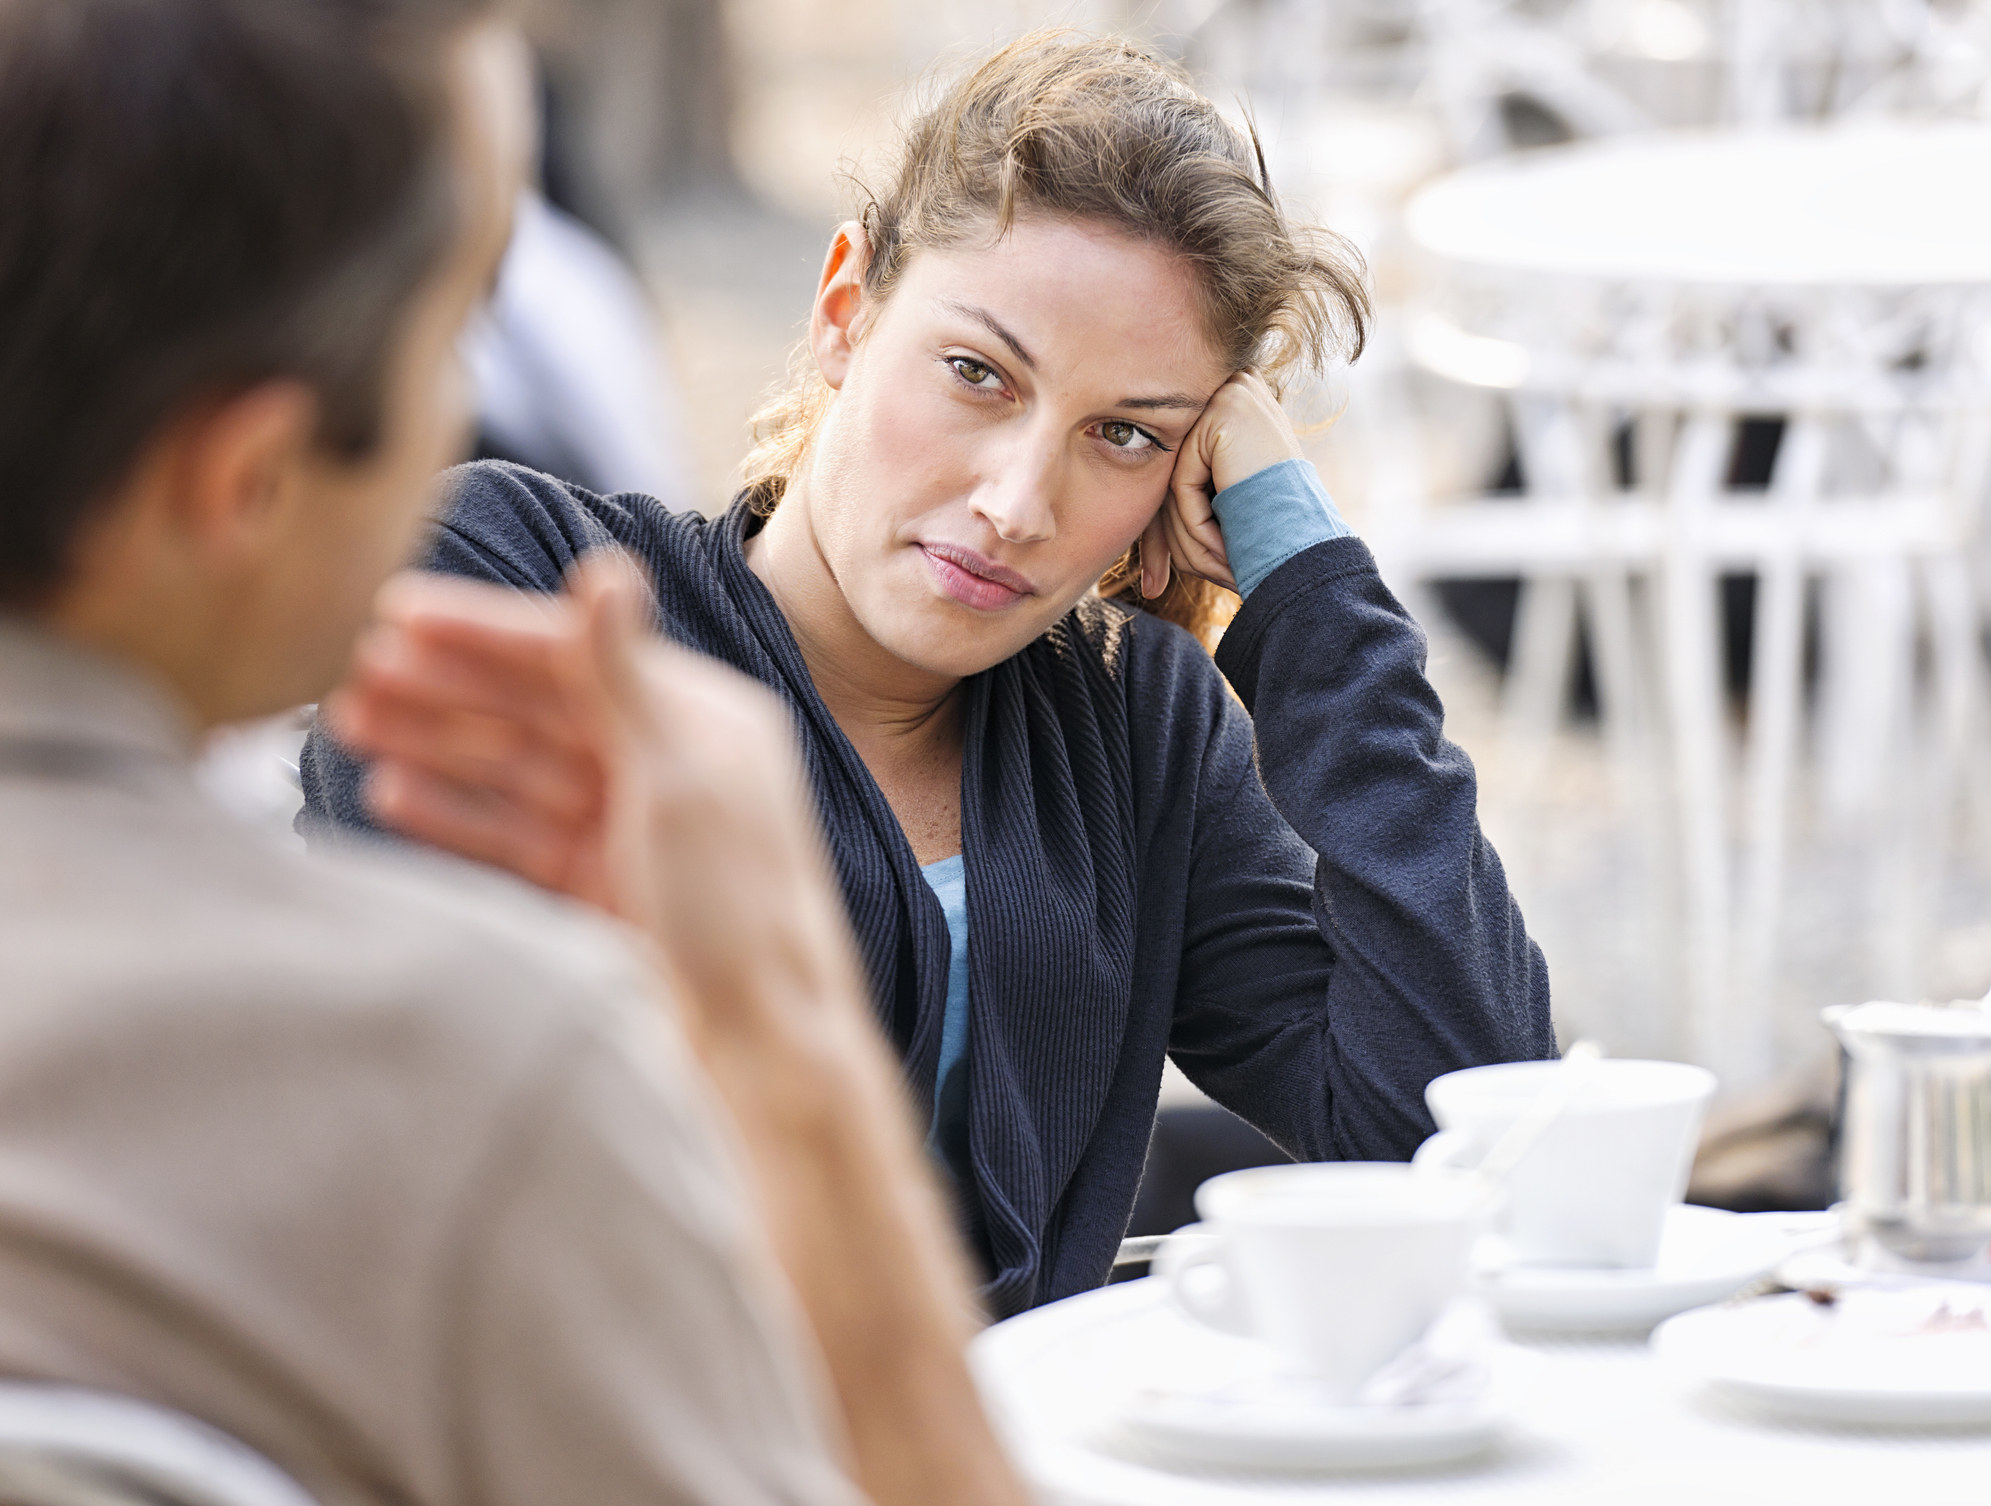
(974,579)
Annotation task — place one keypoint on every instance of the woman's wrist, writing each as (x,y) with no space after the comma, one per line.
(1272,515)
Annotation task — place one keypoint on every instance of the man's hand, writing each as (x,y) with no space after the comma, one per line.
(562,739)
(459,696)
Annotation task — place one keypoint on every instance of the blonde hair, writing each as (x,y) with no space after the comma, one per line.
(1063,125)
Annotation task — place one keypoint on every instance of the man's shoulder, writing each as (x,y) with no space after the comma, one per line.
(486,968)
(176,918)
(427,933)
(344,1033)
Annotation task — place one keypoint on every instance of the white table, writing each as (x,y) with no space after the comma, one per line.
(1870,204)
(1603,1425)
(1639,297)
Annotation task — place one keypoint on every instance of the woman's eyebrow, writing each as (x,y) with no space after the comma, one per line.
(993,325)
(1166,400)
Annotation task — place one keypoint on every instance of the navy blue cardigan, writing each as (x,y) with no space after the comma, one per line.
(1307,920)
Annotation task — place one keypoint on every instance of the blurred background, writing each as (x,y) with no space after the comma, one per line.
(1672,432)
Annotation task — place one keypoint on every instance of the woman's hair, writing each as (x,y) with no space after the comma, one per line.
(1061,125)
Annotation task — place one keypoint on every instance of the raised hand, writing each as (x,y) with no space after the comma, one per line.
(561,738)
(460,696)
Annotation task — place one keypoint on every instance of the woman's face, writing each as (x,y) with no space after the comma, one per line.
(1004,426)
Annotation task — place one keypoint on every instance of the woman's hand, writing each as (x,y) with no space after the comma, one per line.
(1241,432)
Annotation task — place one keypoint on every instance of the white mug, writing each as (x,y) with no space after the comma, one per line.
(1339,1265)
(1595,1187)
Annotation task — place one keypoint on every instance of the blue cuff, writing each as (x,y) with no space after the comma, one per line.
(1269,517)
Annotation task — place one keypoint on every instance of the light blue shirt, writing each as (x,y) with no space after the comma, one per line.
(1269,517)
(948,879)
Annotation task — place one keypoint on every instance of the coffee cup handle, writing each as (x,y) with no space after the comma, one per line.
(1195,1249)
(1447,1149)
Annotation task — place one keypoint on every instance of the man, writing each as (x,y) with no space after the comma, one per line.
(412,1179)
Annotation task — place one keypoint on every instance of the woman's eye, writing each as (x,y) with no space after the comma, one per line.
(977,374)
(1125,436)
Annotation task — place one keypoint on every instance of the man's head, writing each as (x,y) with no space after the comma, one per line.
(237,241)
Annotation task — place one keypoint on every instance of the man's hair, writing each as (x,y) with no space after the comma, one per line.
(197,196)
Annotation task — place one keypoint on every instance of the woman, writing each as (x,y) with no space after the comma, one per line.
(1066,849)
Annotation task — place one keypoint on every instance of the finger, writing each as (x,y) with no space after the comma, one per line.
(1155,554)
(506,652)
(472,822)
(1196,540)
(470,613)
(1191,474)
(1197,547)
(377,720)
(525,688)
(609,581)
(506,635)
(503,656)
(615,612)
(557,778)
(418,595)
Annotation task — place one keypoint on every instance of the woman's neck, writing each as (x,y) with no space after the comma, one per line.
(904,721)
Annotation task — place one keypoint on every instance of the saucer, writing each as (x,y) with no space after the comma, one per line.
(1705,1254)
(1879,1358)
(1279,1420)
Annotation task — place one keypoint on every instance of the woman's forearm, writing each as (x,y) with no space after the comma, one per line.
(1431,966)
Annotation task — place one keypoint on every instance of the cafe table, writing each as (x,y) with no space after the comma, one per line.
(1597,1421)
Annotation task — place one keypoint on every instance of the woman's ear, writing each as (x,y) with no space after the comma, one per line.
(833,321)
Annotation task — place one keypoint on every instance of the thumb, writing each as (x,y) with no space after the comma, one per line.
(599,663)
(615,610)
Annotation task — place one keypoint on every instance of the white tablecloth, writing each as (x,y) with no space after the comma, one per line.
(1601,1424)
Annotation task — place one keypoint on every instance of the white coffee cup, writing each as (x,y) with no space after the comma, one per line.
(1340,1265)
(1595,1187)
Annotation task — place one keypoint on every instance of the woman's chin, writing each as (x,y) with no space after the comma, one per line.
(951,641)
(954,658)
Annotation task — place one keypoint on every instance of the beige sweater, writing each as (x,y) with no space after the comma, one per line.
(397,1173)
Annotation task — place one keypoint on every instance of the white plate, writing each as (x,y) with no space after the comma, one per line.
(1876,1358)
(1275,1420)
(1705,1255)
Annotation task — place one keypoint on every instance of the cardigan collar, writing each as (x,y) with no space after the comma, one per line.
(1047,836)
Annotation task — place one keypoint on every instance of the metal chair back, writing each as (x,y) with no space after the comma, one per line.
(64,1446)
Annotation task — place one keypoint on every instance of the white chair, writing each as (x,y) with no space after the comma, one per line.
(1820,59)
(1646,298)
(63,1446)
(1596,67)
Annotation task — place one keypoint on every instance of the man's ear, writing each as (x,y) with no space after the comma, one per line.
(839,307)
(234,467)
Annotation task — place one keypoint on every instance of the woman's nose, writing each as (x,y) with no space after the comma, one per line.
(1018,494)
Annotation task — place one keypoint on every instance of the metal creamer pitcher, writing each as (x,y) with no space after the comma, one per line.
(1915,1147)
